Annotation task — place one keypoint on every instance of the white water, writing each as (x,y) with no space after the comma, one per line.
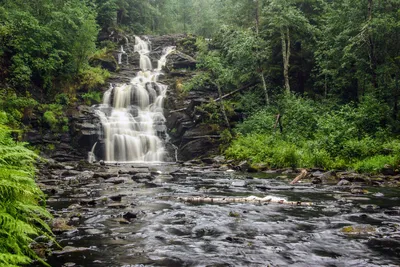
(132,114)
(120,54)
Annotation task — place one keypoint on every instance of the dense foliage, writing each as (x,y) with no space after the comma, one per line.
(327,69)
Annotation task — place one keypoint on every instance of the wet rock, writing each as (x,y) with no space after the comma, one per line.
(219,159)
(70,249)
(288,171)
(70,172)
(234,214)
(258,167)
(136,170)
(358,230)
(200,146)
(74,207)
(179,60)
(237,240)
(104,175)
(85,175)
(352,177)
(241,183)
(224,168)
(93,231)
(88,201)
(388,170)
(69,264)
(59,225)
(179,174)
(142,175)
(107,62)
(392,212)
(370,207)
(330,175)
(357,191)
(343,182)
(122,220)
(118,180)
(117,206)
(117,198)
(243,166)
(102,163)
(316,174)
(316,180)
(130,216)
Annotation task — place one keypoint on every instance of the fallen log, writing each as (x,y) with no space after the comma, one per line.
(250,199)
(177,110)
(302,175)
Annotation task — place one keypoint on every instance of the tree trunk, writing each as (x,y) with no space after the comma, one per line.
(285,38)
(265,88)
(257,16)
(373,60)
(221,104)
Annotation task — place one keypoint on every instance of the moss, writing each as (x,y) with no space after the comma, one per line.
(358,230)
(50,118)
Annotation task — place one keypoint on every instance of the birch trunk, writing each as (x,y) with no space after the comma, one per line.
(285,38)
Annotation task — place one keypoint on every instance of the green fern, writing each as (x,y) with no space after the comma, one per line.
(22,218)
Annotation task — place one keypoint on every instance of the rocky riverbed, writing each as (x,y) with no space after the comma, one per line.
(131,215)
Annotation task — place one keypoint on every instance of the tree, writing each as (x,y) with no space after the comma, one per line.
(281,18)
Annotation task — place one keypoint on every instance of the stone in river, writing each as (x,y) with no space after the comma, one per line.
(241,183)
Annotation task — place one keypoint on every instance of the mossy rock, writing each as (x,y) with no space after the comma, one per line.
(107,62)
(356,230)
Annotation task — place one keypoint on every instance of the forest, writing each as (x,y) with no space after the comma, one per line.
(319,83)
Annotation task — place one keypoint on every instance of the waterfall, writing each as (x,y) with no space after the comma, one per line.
(120,53)
(163,60)
(131,115)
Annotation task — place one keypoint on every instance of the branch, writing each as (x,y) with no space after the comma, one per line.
(302,175)
(236,91)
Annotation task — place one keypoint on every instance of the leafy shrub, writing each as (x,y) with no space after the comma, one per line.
(259,122)
(91,77)
(200,80)
(92,97)
(17,107)
(375,163)
(54,117)
(62,99)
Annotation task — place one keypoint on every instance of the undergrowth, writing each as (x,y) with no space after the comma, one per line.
(311,134)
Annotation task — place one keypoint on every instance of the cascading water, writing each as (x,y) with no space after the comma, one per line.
(132,114)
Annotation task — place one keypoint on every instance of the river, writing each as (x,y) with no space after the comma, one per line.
(129,215)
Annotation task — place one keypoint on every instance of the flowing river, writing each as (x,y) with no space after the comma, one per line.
(129,215)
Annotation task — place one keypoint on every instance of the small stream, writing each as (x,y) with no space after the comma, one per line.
(128,215)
